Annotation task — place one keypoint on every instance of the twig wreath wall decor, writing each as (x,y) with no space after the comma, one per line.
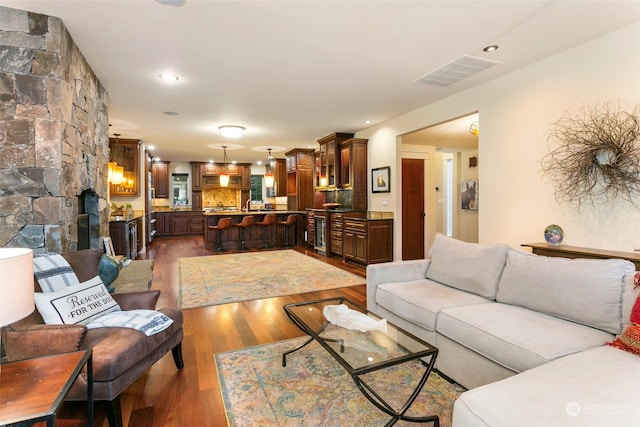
(598,155)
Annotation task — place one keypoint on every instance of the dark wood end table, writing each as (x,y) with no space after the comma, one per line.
(33,389)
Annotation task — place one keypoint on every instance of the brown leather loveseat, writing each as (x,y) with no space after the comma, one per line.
(120,355)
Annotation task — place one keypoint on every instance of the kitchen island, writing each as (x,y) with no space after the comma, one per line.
(231,238)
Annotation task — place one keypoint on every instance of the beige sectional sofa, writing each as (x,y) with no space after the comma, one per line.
(525,334)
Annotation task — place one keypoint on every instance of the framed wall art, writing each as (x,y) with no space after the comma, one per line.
(381,180)
(469,194)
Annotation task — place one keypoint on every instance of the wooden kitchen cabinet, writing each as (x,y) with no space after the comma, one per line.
(196,222)
(196,176)
(335,225)
(126,237)
(196,200)
(280,175)
(164,223)
(299,162)
(354,171)
(368,241)
(311,228)
(160,171)
(327,172)
(181,223)
(245,173)
(125,153)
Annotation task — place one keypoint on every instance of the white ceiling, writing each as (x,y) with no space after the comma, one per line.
(294,71)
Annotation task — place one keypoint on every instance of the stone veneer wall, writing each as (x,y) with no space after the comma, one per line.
(53,134)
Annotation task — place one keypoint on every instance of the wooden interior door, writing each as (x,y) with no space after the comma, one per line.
(413,209)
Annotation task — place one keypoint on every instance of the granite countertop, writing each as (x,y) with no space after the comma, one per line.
(266,211)
(124,218)
(359,215)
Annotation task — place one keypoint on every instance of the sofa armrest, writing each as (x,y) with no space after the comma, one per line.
(391,272)
(137,300)
(29,341)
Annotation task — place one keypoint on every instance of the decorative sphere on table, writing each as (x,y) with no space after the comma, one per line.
(553,234)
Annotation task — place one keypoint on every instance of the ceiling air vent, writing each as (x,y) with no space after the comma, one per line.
(456,70)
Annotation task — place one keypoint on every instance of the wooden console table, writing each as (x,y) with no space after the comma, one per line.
(577,252)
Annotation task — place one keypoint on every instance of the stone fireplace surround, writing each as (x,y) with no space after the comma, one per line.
(53,136)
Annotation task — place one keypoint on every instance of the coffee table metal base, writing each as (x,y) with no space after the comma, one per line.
(356,374)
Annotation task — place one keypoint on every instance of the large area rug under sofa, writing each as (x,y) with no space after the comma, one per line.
(527,335)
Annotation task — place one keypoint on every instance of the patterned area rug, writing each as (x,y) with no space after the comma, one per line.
(314,390)
(222,279)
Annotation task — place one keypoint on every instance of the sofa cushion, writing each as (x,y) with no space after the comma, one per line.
(587,291)
(420,301)
(514,337)
(77,304)
(597,387)
(53,272)
(471,267)
(116,350)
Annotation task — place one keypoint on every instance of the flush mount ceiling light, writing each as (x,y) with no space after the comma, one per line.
(168,77)
(232,131)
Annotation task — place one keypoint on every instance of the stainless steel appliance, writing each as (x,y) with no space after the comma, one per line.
(150,217)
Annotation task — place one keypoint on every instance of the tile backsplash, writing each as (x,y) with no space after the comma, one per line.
(212,197)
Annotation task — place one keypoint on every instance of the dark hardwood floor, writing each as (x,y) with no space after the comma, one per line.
(164,396)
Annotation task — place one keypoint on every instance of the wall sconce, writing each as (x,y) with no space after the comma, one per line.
(232,131)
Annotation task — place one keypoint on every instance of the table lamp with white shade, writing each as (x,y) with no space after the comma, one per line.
(16,284)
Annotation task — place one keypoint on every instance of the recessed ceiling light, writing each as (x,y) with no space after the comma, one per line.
(170,113)
(174,3)
(491,48)
(210,161)
(367,121)
(150,147)
(168,77)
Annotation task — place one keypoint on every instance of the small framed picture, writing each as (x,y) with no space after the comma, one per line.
(381,180)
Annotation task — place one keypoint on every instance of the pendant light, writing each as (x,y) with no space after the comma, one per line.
(117,175)
(224,175)
(269,179)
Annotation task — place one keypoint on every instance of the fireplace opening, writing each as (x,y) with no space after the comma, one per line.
(88,220)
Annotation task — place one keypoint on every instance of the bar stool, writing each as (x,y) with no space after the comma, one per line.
(268,220)
(247,221)
(223,224)
(291,221)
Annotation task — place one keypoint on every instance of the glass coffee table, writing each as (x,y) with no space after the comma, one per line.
(361,353)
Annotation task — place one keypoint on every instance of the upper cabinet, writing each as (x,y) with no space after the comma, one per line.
(353,171)
(280,178)
(125,153)
(327,162)
(299,162)
(160,171)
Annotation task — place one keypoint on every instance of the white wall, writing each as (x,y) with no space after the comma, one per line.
(516,113)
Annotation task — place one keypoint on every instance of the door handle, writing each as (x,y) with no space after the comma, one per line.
(422,214)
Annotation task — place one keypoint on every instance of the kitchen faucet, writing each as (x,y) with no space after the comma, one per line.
(246,205)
